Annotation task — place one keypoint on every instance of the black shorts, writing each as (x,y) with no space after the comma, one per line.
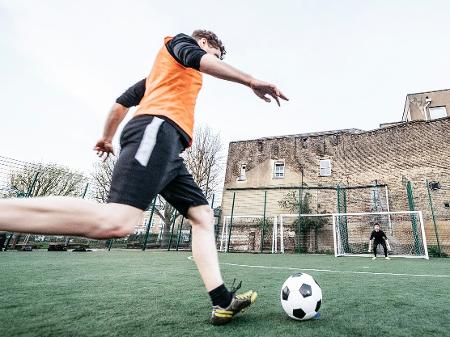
(149,164)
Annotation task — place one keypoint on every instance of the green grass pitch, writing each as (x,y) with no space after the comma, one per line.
(134,293)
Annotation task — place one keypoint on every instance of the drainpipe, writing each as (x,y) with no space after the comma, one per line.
(425,108)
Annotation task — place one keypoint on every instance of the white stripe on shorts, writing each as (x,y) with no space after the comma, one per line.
(148,141)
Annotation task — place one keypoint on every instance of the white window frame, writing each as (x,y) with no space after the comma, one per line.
(437,109)
(325,168)
(279,163)
(242,172)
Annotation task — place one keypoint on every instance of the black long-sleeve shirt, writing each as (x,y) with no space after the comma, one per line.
(378,236)
(188,53)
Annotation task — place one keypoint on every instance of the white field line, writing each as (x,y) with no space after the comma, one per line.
(330,271)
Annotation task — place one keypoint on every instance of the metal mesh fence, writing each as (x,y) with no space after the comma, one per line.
(310,234)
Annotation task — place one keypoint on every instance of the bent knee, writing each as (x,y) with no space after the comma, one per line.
(115,222)
(201,215)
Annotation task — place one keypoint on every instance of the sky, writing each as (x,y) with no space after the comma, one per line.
(343,64)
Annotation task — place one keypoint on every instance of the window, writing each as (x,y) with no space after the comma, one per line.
(278,171)
(242,175)
(325,168)
(437,112)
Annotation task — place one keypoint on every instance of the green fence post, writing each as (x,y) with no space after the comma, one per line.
(179,233)
(212,207)
(110,242)
(212,201)
(171,230)
(33,184)
(8,240)
(231,222)
(264,222)
(149,224)
(342,219)
(409,192)
(300,219)
(434,219)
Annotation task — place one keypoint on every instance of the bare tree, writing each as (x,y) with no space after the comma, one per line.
(37,180)
(306,228)
(45,179)
(204,159)
(102,177)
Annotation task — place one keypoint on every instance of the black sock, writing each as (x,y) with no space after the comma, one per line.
(220,296)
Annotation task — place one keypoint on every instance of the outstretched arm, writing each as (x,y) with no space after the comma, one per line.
(213,66)
(131,97)
(115,117)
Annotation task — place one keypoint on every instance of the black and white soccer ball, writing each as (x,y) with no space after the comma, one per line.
(301,296)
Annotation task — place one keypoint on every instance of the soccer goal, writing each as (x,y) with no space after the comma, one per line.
(246,233)
(404,230)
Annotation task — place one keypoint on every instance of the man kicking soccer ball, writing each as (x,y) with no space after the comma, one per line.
(149,164)
(379,238)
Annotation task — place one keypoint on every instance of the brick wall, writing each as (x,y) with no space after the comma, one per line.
(416,151)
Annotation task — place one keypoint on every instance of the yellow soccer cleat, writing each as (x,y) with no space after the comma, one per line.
(239,302)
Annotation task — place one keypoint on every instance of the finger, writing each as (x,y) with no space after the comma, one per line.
(106,157)
(267,99)
(262,96)
(276,99)
(281,95)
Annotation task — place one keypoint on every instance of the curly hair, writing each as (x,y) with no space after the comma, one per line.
(212,39)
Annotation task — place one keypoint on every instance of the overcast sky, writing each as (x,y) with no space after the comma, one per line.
(343,64)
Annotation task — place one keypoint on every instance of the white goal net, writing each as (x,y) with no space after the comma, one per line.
(404,231)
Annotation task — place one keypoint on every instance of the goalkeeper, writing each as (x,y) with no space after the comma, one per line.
(379,238)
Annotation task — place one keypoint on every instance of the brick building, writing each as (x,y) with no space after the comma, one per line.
(260,173)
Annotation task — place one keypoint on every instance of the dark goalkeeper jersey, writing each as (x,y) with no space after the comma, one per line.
(378,236)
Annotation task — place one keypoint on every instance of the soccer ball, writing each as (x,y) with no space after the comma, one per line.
(301,296)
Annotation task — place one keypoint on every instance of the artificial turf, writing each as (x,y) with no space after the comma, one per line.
(154,293)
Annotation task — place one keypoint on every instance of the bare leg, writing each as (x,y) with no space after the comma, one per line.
(67,216)
(204,246)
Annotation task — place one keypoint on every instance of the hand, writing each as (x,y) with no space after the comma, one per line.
(261,89)
(103,147)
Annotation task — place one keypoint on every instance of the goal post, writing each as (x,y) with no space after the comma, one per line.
(404,230)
